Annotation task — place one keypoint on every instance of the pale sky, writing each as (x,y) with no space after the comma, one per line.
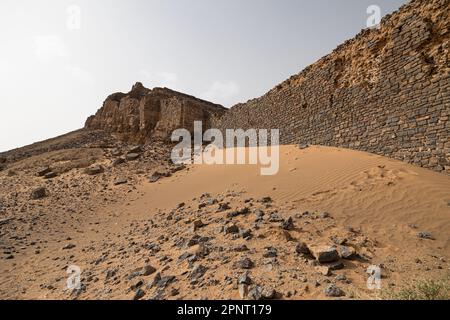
(60,59)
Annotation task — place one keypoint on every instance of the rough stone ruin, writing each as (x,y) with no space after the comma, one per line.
(152,113)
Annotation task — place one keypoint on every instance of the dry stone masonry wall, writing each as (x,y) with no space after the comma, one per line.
(386,91)
(143,113)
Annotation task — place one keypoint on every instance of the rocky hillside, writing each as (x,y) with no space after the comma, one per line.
(151,113)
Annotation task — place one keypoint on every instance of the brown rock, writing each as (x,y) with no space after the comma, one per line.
(197,224)
(43,171)
(244,263)
(93,170)
(120,181)
(347,252)
(302,248)
(50,175)
(324,254)
(132,156)
(38,193)
(323,270)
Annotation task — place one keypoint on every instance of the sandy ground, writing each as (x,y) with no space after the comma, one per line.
(374,205)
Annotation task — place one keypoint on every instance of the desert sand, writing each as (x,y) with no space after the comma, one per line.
(223,231)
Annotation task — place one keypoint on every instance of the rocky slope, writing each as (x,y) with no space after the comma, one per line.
(202,232)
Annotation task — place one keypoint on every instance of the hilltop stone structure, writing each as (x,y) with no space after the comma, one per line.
(152,113)
(386,91)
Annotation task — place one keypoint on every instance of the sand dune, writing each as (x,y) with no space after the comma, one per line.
(362,189)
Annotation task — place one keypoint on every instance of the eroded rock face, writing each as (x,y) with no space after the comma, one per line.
(152,113)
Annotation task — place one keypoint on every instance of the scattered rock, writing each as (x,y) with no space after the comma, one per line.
(266,200)
(116,152)
(174,292)
(231,228)
(197,224)
(93,170)
(137,285)
(325,215)
(110,273)
(255,293)
(288,236)
(245,263)
(6,220)
(323,270)
(198,271)
(120,181)
(238,212)
(324,254)
(50,175)
(302,248)
(38,193)
(243,290)
(223,207)
(246,234)
(274,217)
(139,294)
(177,168)
(341,277)
(244,279)
(69,246)
(425,235)
(118,161)
(240,248)
(347,252)
(148,270)
(184,256)
(270,252)
(201,251)
(259,214)
(158,175)
(136,149)
(43,171)
(288,224)
(337,265)
(132,156)
(165,281)
(302,146)
(338,240)
(154,177)
(334,291)
(259,293)
(268,293)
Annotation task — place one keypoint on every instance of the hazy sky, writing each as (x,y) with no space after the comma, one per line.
(60,59)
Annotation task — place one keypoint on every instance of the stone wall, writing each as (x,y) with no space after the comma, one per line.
(143,114)
(386,91)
